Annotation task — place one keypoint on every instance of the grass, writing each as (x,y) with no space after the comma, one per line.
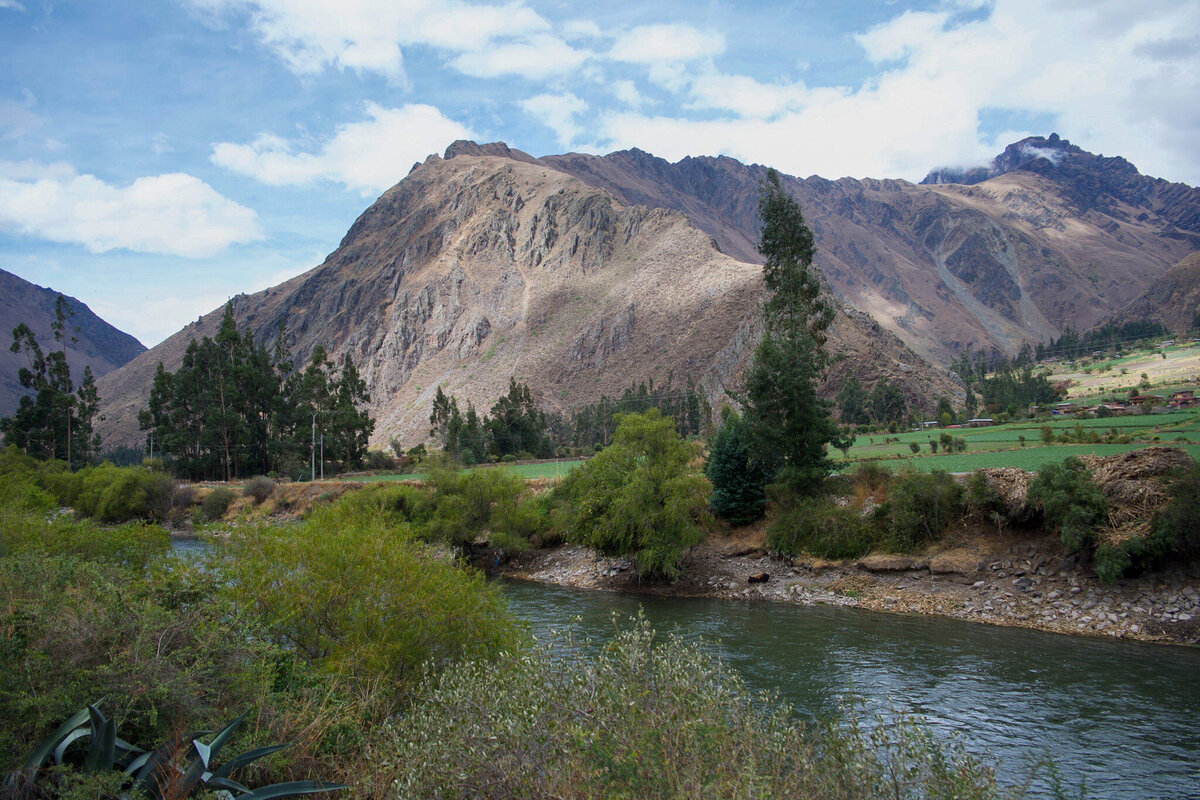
(549,469)
(1000,446)
(1029,458)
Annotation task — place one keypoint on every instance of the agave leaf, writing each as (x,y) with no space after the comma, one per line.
(202,750)
(138,762)
(102,751)
(43,750)
(217,782)
(247,757)
(161,756)
(221,738)
(291,788)
(70,738)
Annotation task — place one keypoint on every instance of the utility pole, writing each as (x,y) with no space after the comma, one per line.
(322,456)
(313,450)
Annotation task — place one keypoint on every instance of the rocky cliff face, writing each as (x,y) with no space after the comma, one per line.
(1050,236)
(1173,299)
(485,266)
(98,345)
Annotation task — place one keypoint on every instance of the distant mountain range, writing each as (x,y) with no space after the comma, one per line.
(580,274)
(99,345)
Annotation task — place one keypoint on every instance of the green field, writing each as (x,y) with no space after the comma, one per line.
(1028,458)
(550,469)
(1000,445)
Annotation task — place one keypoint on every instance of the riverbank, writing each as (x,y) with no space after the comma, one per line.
(1022,579)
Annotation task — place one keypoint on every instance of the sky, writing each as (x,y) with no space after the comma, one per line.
(159,156)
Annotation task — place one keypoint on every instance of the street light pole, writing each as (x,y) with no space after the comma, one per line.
(313,449)
(322,456)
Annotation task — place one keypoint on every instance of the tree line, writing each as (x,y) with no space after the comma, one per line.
(232,409)
(516,427)
(53,421)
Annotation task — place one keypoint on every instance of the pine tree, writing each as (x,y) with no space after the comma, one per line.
(789,425)
(55,419)
(738,482)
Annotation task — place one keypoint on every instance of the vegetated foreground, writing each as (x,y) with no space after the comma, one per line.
(387,664)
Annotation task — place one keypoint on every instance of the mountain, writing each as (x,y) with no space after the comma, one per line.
(1047,237)
(1173,299)
(99,345)
(487,265)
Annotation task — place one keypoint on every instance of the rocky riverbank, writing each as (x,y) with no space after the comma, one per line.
(1024,581)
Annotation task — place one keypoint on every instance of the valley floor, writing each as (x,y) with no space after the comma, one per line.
(1022,580)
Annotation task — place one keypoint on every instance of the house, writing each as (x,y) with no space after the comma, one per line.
(1184,398)
(1065,408)
(981,422)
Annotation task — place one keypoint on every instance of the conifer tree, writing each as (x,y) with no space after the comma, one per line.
(738,481)
(789,425)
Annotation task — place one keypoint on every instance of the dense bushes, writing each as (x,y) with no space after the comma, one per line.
(647,719)
(919,508)
(363,597)
(822,528)
(1071,502)
(637,497)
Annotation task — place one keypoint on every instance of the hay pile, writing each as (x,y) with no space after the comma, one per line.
(1130,481)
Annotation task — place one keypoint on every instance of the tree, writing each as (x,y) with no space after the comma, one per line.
(738,481)
(887,402)
(55,419)
(349,425)
(638,496)
(789,424)
(851,403)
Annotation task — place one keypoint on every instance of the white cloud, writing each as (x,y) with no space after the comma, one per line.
(582,29)
(538,57)
(558,112)
(171,214)
(369,35)
(627,92)
(1113,78)
(666,44)
(745,96)
(368,156)
(13,4)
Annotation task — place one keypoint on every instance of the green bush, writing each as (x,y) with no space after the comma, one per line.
(1177,525)
(638,497)
(216,503)
(919,508)
(1071,502)
(820,527)
(648,719)
(260,487)
(983,502)
(738,480)
(362,597)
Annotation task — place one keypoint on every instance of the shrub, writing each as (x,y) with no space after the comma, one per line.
(1071,502)
(1177,525)
(915,447)
(638,497)
(488,502)
(260,487)
(821,528)
(983,502)
(216,503)
(363,598)
(648,719)
(919,508)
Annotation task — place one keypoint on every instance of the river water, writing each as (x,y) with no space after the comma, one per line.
(1121,717)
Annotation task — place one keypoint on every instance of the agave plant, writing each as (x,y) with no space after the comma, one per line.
(176,768)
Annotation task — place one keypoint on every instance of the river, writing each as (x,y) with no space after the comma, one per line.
(1121,717)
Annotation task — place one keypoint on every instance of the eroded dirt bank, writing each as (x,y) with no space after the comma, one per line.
(1016,580)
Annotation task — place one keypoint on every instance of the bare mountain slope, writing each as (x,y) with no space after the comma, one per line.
(1048,237)
(487,266)
(99,345)
(1173,299)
